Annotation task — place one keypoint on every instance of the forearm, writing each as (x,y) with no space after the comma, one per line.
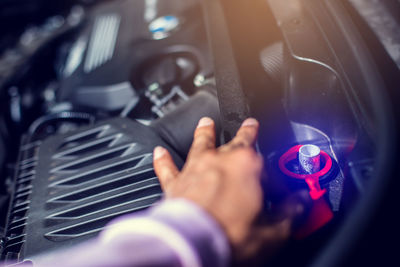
(174,233)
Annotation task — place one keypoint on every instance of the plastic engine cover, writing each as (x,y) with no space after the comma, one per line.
(69,187)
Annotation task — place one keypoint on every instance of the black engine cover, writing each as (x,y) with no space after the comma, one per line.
(69,186)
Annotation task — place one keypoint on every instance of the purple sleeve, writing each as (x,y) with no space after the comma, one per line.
(173,233)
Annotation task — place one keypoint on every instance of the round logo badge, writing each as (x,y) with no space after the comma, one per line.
(162,27)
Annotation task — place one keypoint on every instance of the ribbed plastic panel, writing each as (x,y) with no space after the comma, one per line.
(69,187)
(17,219)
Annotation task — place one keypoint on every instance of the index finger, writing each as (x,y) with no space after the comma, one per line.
(204,137)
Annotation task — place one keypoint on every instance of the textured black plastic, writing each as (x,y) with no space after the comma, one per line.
(69,187)
(232,102)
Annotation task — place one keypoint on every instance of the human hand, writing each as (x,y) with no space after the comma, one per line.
(225,182)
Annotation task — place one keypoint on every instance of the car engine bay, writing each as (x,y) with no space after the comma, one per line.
(89,88)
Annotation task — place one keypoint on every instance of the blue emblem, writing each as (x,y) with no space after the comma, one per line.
(162,27)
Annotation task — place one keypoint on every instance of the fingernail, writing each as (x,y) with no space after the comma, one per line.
(158,152)
(206,121)
(250,122)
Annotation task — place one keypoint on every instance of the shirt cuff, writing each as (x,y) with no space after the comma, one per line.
(195,237)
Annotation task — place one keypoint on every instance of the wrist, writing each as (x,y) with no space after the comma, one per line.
(196,225)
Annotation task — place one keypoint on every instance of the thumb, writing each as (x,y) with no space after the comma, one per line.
(164,167)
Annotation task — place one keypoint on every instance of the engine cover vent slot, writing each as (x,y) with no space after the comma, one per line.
(120,182)
(109,203)
(78,139)
(114,168)
(93,159)
(87,148)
